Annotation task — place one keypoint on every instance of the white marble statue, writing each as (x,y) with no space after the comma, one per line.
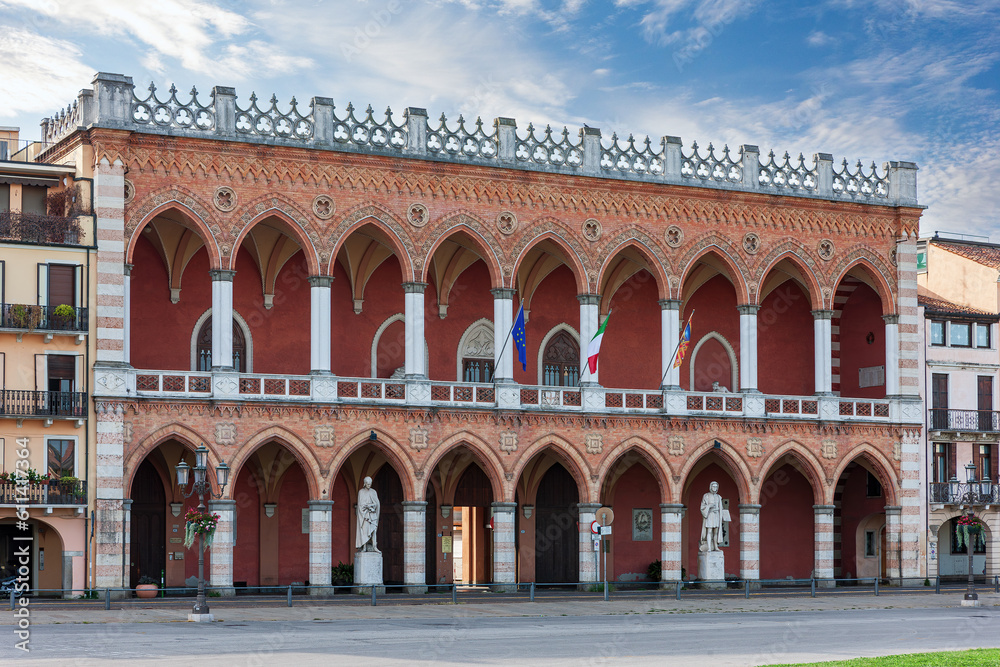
(368,514)
(711,525)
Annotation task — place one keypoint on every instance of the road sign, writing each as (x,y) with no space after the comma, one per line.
(597,546)
(605,530)
(605,516)
(595,527)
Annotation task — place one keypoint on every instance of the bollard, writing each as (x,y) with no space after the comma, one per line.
(937,584)
(876,586)
(374,601)
(996,583)
(605,591)
(531,592)
(678,593)
(107,599)
(289,596)
(812,587)
(12,599)
(454,593)
(746,588)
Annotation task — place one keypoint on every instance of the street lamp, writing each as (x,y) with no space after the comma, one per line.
(202,487)
(971,500)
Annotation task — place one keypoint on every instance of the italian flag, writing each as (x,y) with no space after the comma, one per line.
(594,348)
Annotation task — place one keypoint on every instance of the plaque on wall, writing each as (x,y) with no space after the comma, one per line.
(642,525)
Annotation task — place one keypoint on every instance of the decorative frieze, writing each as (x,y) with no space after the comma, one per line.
(594,443)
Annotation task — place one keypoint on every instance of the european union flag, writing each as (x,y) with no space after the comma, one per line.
(519,340)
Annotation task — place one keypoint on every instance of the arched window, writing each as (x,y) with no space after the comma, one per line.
(561,361)
(204,350)
(475,353)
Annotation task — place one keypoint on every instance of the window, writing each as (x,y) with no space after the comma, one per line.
(4,197)
(959,334)
(984,461)
(874,487)
(871,545)
(939,400)
(941,463)
(477,370)
(204,351)
(561,361)
(61,457)
(982,335)
(33,199)
(937,333)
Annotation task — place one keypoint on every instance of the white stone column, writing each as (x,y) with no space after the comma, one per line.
(670,334)
(750,542)
(319,324)
(823,544)
(109,323)
(587,513)
(220,575)
(671,542)
(414,546)
(891,355)
(127,319)
(589,313)
(414,340)
(504,552)
(748,347)
(892,544)
(503,320)
(111,515)
(222,318)
(823,351)
(320,545)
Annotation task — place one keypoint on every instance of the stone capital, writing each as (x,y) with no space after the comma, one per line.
(748,308)
(507,508)
(320,281)
(502,293)
(669,304)
(589,299)
(414,506)
(749,509)
(414,288)
(320,505)
(222,275)
(822,314)
(824,509)
(891,318)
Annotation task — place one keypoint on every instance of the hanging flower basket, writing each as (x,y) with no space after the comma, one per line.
(200,523)
(968,525)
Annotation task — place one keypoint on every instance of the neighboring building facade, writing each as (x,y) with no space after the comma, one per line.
(960,389)
(46,279)
(320,297)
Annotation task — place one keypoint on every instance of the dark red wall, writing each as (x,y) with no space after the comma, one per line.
(698,486)
(786,525)
(246,551)
(715,306)
(712,365)
(293,550)
(161,331)
(343,538)
(862,314)
(636,489)
(469,300)
(554,302)
(634,325)
(855,505)
(785,342)
(351,346)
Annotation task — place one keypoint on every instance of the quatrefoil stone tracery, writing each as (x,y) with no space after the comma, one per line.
(751,243)
(674,236)
(324,207)
(825,249)
(417,215)
(129,191)
(225,198)
(591,229)
(507,222)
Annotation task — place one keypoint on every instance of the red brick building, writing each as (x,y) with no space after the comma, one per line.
(318,295)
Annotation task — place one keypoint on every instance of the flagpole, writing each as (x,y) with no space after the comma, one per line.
(506,340)
(672,356)
(586,365)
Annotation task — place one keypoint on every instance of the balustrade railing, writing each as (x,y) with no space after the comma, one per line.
(39,229)
(46,318)
(49,492)
(983,421)
(25,403)
(334,389)
(985,492)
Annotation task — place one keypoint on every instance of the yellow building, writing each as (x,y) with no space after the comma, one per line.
(47,285)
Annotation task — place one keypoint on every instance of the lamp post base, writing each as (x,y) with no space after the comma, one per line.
(970,603)
(201,618)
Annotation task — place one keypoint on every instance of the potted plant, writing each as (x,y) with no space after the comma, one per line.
(147,587)
(343,574)
(968,527)
(63,316)
(25,317)
(203,523)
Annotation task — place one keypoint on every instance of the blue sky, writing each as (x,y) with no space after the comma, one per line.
(874,80)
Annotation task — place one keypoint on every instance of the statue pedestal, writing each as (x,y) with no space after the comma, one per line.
(711,567)
(368,571)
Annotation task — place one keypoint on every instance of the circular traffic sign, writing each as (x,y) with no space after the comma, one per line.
(595,527)
(605,516)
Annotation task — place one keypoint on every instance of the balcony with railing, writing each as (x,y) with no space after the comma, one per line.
(984,492)
(21,403)
(510,396)
(980,421)
(46,492)
(46,319)
(39,229)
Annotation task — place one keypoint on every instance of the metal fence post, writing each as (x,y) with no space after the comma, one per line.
(605,591)
(678,593)
(12,600)
(289,595)
(107,599)
(996,583)
(812,587)
(746,588)
(454,593)
(937,584)
(374,599)
(531,592)
(876,586)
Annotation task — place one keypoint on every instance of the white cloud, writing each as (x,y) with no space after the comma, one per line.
(819,38)
(38,73)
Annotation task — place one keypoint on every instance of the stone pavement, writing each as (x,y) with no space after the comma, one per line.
(303,611)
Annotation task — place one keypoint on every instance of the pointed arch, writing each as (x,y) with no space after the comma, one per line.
(239,321)
(475,229)
(395,454)
(725,252)
(552,333)
(485,457)
(794,253)
(875,459)
(876,272)
(732,458)
(185,435)
(811,467)
(471,333)
(656,263)
(734,361)
(569,256)
(567,454)
(659,466)
(291,226)
(198,225)
(289,440)
(383,220)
